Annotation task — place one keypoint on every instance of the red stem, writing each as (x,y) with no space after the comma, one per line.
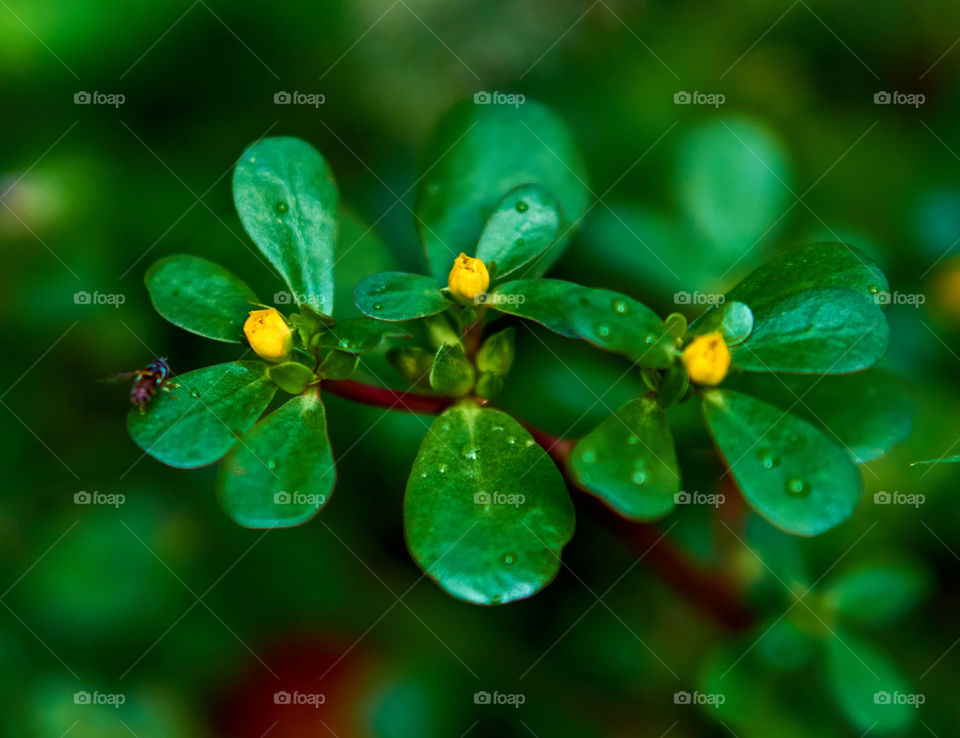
(709,591)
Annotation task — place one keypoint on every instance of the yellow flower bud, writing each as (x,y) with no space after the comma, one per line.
(707,359)
(469,277)
(269,335)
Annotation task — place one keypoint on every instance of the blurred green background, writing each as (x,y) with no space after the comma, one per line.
(196,622)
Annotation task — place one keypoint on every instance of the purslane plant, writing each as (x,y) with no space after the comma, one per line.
(487,510)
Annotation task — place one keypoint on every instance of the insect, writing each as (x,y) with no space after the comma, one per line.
(154,376)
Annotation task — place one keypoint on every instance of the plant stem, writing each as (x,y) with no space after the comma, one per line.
(709,591)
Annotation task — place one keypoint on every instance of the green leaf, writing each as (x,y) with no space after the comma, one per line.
(734,321)
(287,201)
(496,353)
(399,296)
(867,413)
(292,376)
(732,179)
(609,320)
(451,373)
(200,296)
(877,592)
(524,225)
(476,155)
(812,266)
(785,646)
(788,471)
(281,473)
(819,331)
(198,422)
(486,513)
(358,335)
(868,687)
(629,461)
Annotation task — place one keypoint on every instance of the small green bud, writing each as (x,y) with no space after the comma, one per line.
(292,377)
(413,362)
(489,385)
(452,374)
(496,354)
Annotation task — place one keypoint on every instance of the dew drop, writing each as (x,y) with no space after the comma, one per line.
(282,207)
(874,289)
(648,340)
(486,508)
(509,558)
(345,343)
(423,475)
(796,487)
(378,306)
(522,207)
(442,468)
(194,393)
(469,452)
(497,428)
(529,442)
(767,459)
(639,477)
(620,305)
(632,440)
(589,457)
(519,243)
(272,464)
(603,330)
(512,440)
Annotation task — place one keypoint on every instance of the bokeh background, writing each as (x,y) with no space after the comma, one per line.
(197,622)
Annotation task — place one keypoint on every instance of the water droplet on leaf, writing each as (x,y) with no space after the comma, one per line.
(509,558)
(603,330)
(194,393)
(282,207)
(797,487)
(511,440)
(522,207)
(620,305)
(378,306)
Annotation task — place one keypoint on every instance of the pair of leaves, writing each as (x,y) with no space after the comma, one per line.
(609,320)
(486,512)
(277,472)
(287,201)
(477,155)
